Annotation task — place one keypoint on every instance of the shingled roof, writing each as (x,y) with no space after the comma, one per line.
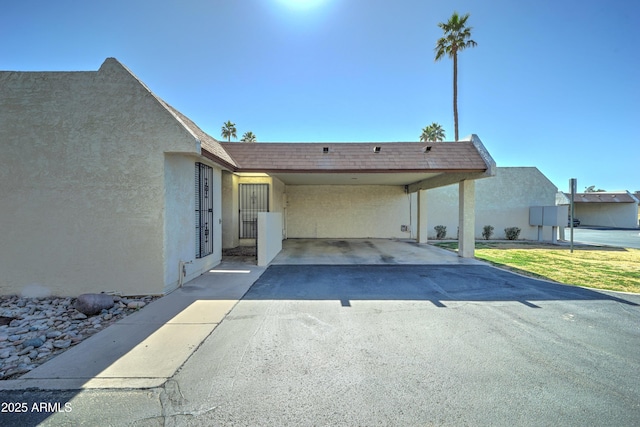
(209,146)
(357,157)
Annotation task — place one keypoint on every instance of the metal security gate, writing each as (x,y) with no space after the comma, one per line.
(254,198)
(204,210)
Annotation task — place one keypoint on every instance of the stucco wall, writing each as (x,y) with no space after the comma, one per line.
(346,211)
(501,201)
(607,214)
(230,220)
(82,181)
(180,234)
(269,236)
(278,202)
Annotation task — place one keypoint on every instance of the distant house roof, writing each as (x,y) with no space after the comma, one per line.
(357,157)
(603,197)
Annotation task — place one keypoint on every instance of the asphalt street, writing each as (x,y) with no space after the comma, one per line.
(391,345)
(624,238)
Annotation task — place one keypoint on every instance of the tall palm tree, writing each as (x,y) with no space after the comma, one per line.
(432,133)
(229,130)
(249,137)
(457,37)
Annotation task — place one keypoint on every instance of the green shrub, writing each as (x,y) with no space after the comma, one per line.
(441,231)
(487,232)
(512,233)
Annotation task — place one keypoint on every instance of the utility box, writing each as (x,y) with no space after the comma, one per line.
(535,215)
(553,216)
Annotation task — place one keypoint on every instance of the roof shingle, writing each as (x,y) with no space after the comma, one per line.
(359,157)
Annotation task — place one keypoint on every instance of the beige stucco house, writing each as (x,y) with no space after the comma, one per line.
(97,184)
(106,187)
(605,208)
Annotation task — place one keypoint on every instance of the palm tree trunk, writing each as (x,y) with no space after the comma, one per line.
(455,94)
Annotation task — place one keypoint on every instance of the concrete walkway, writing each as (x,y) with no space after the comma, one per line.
(146,348)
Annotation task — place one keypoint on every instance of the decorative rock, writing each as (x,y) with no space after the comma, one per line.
(79,316)
(91,304)
(25,351)
(62,343)
(45,327)
(33,342)
(53,334)
(135,304)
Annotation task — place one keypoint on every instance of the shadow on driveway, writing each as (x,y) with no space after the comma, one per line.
(434,283)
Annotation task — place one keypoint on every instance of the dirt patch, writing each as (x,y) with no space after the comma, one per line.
(244,251)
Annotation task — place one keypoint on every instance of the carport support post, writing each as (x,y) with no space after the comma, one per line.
(466,218)
(422,216)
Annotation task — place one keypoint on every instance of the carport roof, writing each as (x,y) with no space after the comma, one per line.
(374,157)
(603,197)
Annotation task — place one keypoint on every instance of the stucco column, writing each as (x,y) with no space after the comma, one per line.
(422,216)
(466,218)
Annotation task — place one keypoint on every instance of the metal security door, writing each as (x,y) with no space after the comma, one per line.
(204,210)
(254,198)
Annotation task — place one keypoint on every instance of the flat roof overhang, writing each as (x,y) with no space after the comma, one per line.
(418,180)
(418,166)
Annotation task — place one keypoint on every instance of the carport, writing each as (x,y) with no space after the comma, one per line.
(363,190)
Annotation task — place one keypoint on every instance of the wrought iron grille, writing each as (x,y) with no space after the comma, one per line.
(254,198)
(204,210)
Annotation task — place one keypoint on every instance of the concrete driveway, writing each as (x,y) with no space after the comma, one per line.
(418,345)
(363,251)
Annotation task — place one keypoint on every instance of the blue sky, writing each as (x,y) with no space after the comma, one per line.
(552,84)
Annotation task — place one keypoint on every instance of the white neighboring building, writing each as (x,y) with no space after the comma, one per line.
(605,208)
(501,201)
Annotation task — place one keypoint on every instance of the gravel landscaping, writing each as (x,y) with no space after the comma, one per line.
(34,330)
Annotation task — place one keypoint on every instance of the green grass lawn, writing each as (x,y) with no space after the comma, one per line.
(616,269)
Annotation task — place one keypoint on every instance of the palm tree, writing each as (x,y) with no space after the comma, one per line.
(457,37)
(229,130)
(248,137)
(432,133)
